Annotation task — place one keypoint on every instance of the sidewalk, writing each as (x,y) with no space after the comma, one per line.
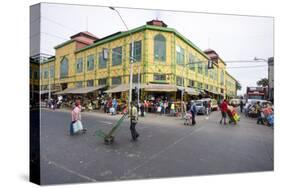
(149,118)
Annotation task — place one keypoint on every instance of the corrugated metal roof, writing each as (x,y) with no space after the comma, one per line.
(85,90)
(189,90)
(124,87)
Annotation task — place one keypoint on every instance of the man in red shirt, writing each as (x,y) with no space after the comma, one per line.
(223,108)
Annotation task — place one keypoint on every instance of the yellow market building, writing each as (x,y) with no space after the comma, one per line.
(164,59)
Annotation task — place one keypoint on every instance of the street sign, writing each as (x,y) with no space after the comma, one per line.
(105,53)
(210,64)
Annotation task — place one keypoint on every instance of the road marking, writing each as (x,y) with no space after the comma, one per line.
(68,170)
(130,171)
(106,122)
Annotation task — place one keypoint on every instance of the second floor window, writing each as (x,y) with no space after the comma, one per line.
(79,84)
(116,80)
(46,73)
(191,62)
(137,51)
(222,78)
(179,81)
(180,55)
(215,74)
(191,83)
(136,78)
(64,68)
(102,61)
(206,70)
(159,77)
(90,62)
(52,71)
(117,56)
(30,73)
(200,68)
(90,83)
(35,76)
(159,47)
(79,65)
(102,81)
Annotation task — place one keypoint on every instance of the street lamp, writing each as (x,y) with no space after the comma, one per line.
(267,61)
(259,59)
(131,60)
(182,91)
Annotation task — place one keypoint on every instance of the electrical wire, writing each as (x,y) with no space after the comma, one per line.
(257,66)
(57,23)
(49,34)
(244,61)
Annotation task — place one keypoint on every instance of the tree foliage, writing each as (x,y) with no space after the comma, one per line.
(263,82)
(238,86)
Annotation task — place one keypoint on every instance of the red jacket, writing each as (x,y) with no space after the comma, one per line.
(224,106)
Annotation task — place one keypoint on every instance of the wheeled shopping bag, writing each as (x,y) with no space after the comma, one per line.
(187,119)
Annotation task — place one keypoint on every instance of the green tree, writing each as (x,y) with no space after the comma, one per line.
(263,82)
(238,86)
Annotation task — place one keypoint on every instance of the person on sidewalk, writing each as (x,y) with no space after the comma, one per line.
(134,121)
(223,108)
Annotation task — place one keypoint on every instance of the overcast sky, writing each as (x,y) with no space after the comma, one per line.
(232,37)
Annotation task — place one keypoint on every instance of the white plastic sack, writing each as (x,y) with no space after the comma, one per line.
(158,109)
(111,110)
(77,126)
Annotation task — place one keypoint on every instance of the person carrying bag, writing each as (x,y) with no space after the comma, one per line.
(76,124)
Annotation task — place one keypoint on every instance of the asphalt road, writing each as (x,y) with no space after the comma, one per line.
(166,148)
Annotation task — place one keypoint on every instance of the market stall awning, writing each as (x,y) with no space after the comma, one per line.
(44,91)
(82,90)
(201,91)
(65,91)
(189,90)
(85,90)
(214,92)
(123,87)
(160,87)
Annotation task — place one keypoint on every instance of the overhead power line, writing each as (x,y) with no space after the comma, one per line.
(60,24)
(49,34)
(242,67)
(244,61)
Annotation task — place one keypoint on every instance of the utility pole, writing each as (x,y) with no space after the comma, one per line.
(131,60)
(49,83)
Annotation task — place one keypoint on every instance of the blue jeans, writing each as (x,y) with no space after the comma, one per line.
(71,128)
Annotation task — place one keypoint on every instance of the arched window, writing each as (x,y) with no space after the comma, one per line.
(159,47)
(64,68)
